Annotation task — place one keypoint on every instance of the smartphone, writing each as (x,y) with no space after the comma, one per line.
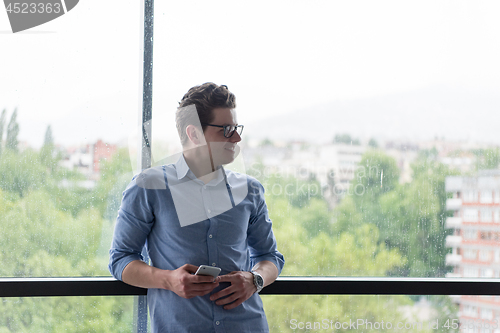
(208,270)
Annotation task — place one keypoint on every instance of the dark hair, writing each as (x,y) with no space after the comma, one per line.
(205,98)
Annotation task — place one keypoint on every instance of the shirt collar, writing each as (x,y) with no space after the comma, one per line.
(182,169)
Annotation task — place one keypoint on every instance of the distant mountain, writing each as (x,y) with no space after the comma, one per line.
(452,113)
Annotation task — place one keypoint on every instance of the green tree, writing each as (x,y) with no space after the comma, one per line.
(266,143)
(429,181)
(48,140)
(487,158)
(21,172)
(346,138)
(410,222)
(47,153)
(346,216)
(354,253)
(51,226)
(115,175)
(11,141)
(298,192)
(377,173)
(410,217)
(67,314)
(373,143)
(39,239)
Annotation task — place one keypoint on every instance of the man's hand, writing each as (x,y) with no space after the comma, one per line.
(182,282)
(241,289)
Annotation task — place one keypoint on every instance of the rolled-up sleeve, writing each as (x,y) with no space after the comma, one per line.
(261,240)
(133,225)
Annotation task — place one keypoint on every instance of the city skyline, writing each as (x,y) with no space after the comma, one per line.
(340,118)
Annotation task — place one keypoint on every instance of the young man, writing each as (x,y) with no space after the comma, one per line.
(195,212)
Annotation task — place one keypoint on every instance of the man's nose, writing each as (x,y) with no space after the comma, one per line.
(235,137)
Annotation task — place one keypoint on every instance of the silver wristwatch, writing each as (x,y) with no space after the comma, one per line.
(258,281)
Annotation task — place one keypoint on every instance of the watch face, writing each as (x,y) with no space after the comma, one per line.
(259,281)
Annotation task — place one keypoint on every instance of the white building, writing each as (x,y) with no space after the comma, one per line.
(475,242)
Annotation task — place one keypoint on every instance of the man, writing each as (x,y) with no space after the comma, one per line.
(195,212)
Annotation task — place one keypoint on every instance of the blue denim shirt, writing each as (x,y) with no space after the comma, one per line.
(224,223)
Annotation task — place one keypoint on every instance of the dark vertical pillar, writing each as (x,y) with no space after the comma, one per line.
(140,308)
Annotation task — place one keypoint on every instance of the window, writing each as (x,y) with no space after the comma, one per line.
(471,215)
(470,196)
(69,106)
(486,215)
(470,254)
(64,157)
(470,234)
(470,272)
(368,83)
(484,255)
(470,311)
(486,273)
(486,196)
(486,314)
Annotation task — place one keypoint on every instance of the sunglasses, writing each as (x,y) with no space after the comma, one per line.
(228,129)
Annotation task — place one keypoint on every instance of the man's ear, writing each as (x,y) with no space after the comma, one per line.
(195,135)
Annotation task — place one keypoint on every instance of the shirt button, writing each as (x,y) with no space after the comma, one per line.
(205,187)
(209,236)
(209,211)
(217,322)
(214,264)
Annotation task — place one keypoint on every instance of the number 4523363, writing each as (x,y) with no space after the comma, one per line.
(33,7)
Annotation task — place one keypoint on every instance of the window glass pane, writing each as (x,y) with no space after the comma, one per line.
(371,124)
(284,313)
(67,314)
(69,101)
(383,313)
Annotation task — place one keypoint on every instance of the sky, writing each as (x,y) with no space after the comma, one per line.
(81,73)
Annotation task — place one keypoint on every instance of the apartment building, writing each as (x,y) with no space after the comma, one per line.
(87,159)
(475,242)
